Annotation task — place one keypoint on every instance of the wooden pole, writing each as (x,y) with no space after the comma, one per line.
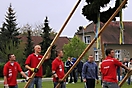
(92,42)
(125,78)
(102,48)
(49,48)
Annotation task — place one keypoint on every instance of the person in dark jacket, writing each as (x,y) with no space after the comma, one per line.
(90,72)
(79,69)
(74,74)
(68,65)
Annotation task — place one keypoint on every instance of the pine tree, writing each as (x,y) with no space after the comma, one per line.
(10,30)
(29,45)
(9,34)
(45,44)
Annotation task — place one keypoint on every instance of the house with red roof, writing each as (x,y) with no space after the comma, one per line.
(110,39)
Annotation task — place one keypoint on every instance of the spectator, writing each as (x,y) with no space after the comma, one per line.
(124,71)
(100,70)
(79,69)
(118,72)
(129,66)
(90,72)
(68,65)
(74,73)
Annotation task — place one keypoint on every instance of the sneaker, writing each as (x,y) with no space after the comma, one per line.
(72,82)
(66,82)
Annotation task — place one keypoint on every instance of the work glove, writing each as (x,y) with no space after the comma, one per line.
(34,70)
(59,80)
(6,86)
(27,78)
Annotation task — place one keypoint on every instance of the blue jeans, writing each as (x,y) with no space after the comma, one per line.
(109,85)
(129,80)
(63,85)
(13,86)
(37,81)
(118,74)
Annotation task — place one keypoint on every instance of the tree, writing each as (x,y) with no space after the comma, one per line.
(9,48)
(28,48)
(74,48)
(45,44)
(24,30)
(29,45)
(9,32)
(92,9)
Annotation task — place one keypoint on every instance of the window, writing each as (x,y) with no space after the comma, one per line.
(118,54)
(96,53)
(87,39)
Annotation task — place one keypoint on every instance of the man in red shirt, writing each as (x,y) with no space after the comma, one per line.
(31,63)
(108,70)
(58,70)
(10,71)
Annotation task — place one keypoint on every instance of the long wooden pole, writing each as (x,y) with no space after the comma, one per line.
(49,48)
(92,42)
(125,78)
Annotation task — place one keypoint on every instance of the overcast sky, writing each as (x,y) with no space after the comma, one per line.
(34,12)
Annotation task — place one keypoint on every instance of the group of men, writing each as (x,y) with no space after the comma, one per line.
(11,69)
(89,70)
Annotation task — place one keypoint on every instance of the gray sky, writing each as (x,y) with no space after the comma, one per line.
(34,12)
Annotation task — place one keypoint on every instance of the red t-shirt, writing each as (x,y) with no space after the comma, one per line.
(58,67)
(108,69)
(32,61)
(11,71)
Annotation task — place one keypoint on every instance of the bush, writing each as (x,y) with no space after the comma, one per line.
(1,69)
(48,72)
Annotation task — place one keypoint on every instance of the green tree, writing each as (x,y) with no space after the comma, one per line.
(74,48)
(9,34)
(28,47)
(29,44)
(92,9)
(9,48)
(10,29)
(45,44)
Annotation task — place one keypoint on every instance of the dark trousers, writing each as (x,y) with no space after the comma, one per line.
(80,73)
(74,76)
(63,85)
(90,83)
(68,76)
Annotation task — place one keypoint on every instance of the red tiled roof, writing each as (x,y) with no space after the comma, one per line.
(112,32)
(37,39)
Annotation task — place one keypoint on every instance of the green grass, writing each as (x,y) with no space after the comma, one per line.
(49,84)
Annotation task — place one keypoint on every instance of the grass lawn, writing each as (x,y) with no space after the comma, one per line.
(77,85)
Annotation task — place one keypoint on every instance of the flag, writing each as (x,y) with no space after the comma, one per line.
(121,41)
(97,31)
